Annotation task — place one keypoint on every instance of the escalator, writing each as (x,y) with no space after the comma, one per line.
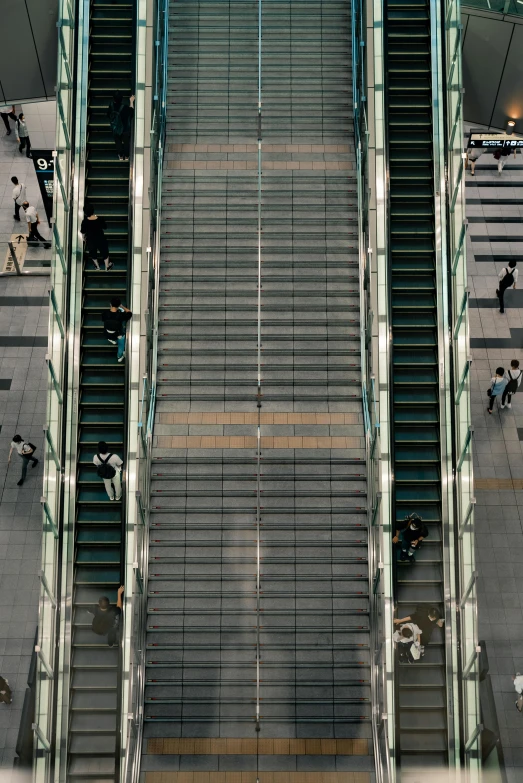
(94,723)
(421,689)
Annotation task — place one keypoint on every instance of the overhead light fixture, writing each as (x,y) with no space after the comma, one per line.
(510,127)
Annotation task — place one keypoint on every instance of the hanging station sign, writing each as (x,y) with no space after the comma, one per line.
(496,140)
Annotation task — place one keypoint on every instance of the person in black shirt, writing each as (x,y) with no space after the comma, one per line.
(106,620)
(413,531)
(121,115)
(92,229)
(425,619)
(114,321)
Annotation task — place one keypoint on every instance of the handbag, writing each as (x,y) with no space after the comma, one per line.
(415,650)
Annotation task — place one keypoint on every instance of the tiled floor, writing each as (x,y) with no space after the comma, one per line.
(495,340)
(23,383)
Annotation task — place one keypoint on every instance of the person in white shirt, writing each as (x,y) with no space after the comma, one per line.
(26,451)
(507,277)
(518,687)
(19,196)
(110,465)
(31,215)
(23,135)
(8,110)
(513,377)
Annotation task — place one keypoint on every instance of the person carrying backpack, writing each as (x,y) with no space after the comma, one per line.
(407,639)
(513,378)
(121,115)
(26,451)
(507,277)
(109,469)
(106,620)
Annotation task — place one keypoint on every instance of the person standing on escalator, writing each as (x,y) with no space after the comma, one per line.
(106,620)
(409,534)
(114,321)
(121,113)
(92,230)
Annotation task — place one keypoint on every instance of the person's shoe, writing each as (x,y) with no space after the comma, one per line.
(471,173)
(8,133)
(120,157)
(126,158)
(497,291)
(109,266)
(489,411)
(509,405)
(122,357)
(20,150)
(113,342)
(19,483)
(47,245)
(502,312)
(501,406)
(119,497)
(35,463)
(111,498)
(403,557)
(16,218)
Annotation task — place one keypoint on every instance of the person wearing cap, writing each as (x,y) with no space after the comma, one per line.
(412,531)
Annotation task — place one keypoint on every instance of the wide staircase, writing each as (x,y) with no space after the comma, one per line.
(421,689)
(257,659)
(94,723)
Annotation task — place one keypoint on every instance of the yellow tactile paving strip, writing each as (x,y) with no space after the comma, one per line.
(248,442)
(243,165)
(263,777)
(497,484)
(270,747)
(265,418)
(307,148)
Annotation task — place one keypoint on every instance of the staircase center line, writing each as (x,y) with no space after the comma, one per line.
(258,429)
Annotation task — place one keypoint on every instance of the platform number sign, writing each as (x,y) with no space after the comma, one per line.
(44,167)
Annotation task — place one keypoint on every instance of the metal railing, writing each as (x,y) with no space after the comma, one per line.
(141,427)
(463,544)
(378,517)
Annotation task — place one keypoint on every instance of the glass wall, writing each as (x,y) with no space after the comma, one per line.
(146,273)
(57,382)
(380,565)
(457,228)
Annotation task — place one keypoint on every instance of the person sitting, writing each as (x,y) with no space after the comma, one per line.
(408,643)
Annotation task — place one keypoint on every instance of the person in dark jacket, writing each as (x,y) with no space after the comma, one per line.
(114,321)
(426,620)
(106,620)
(92,229)
(412,531)
(121,113)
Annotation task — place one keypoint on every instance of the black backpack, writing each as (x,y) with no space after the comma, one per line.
(106,471)
(404,653)
(31,445)
(512,385)
(508,280)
